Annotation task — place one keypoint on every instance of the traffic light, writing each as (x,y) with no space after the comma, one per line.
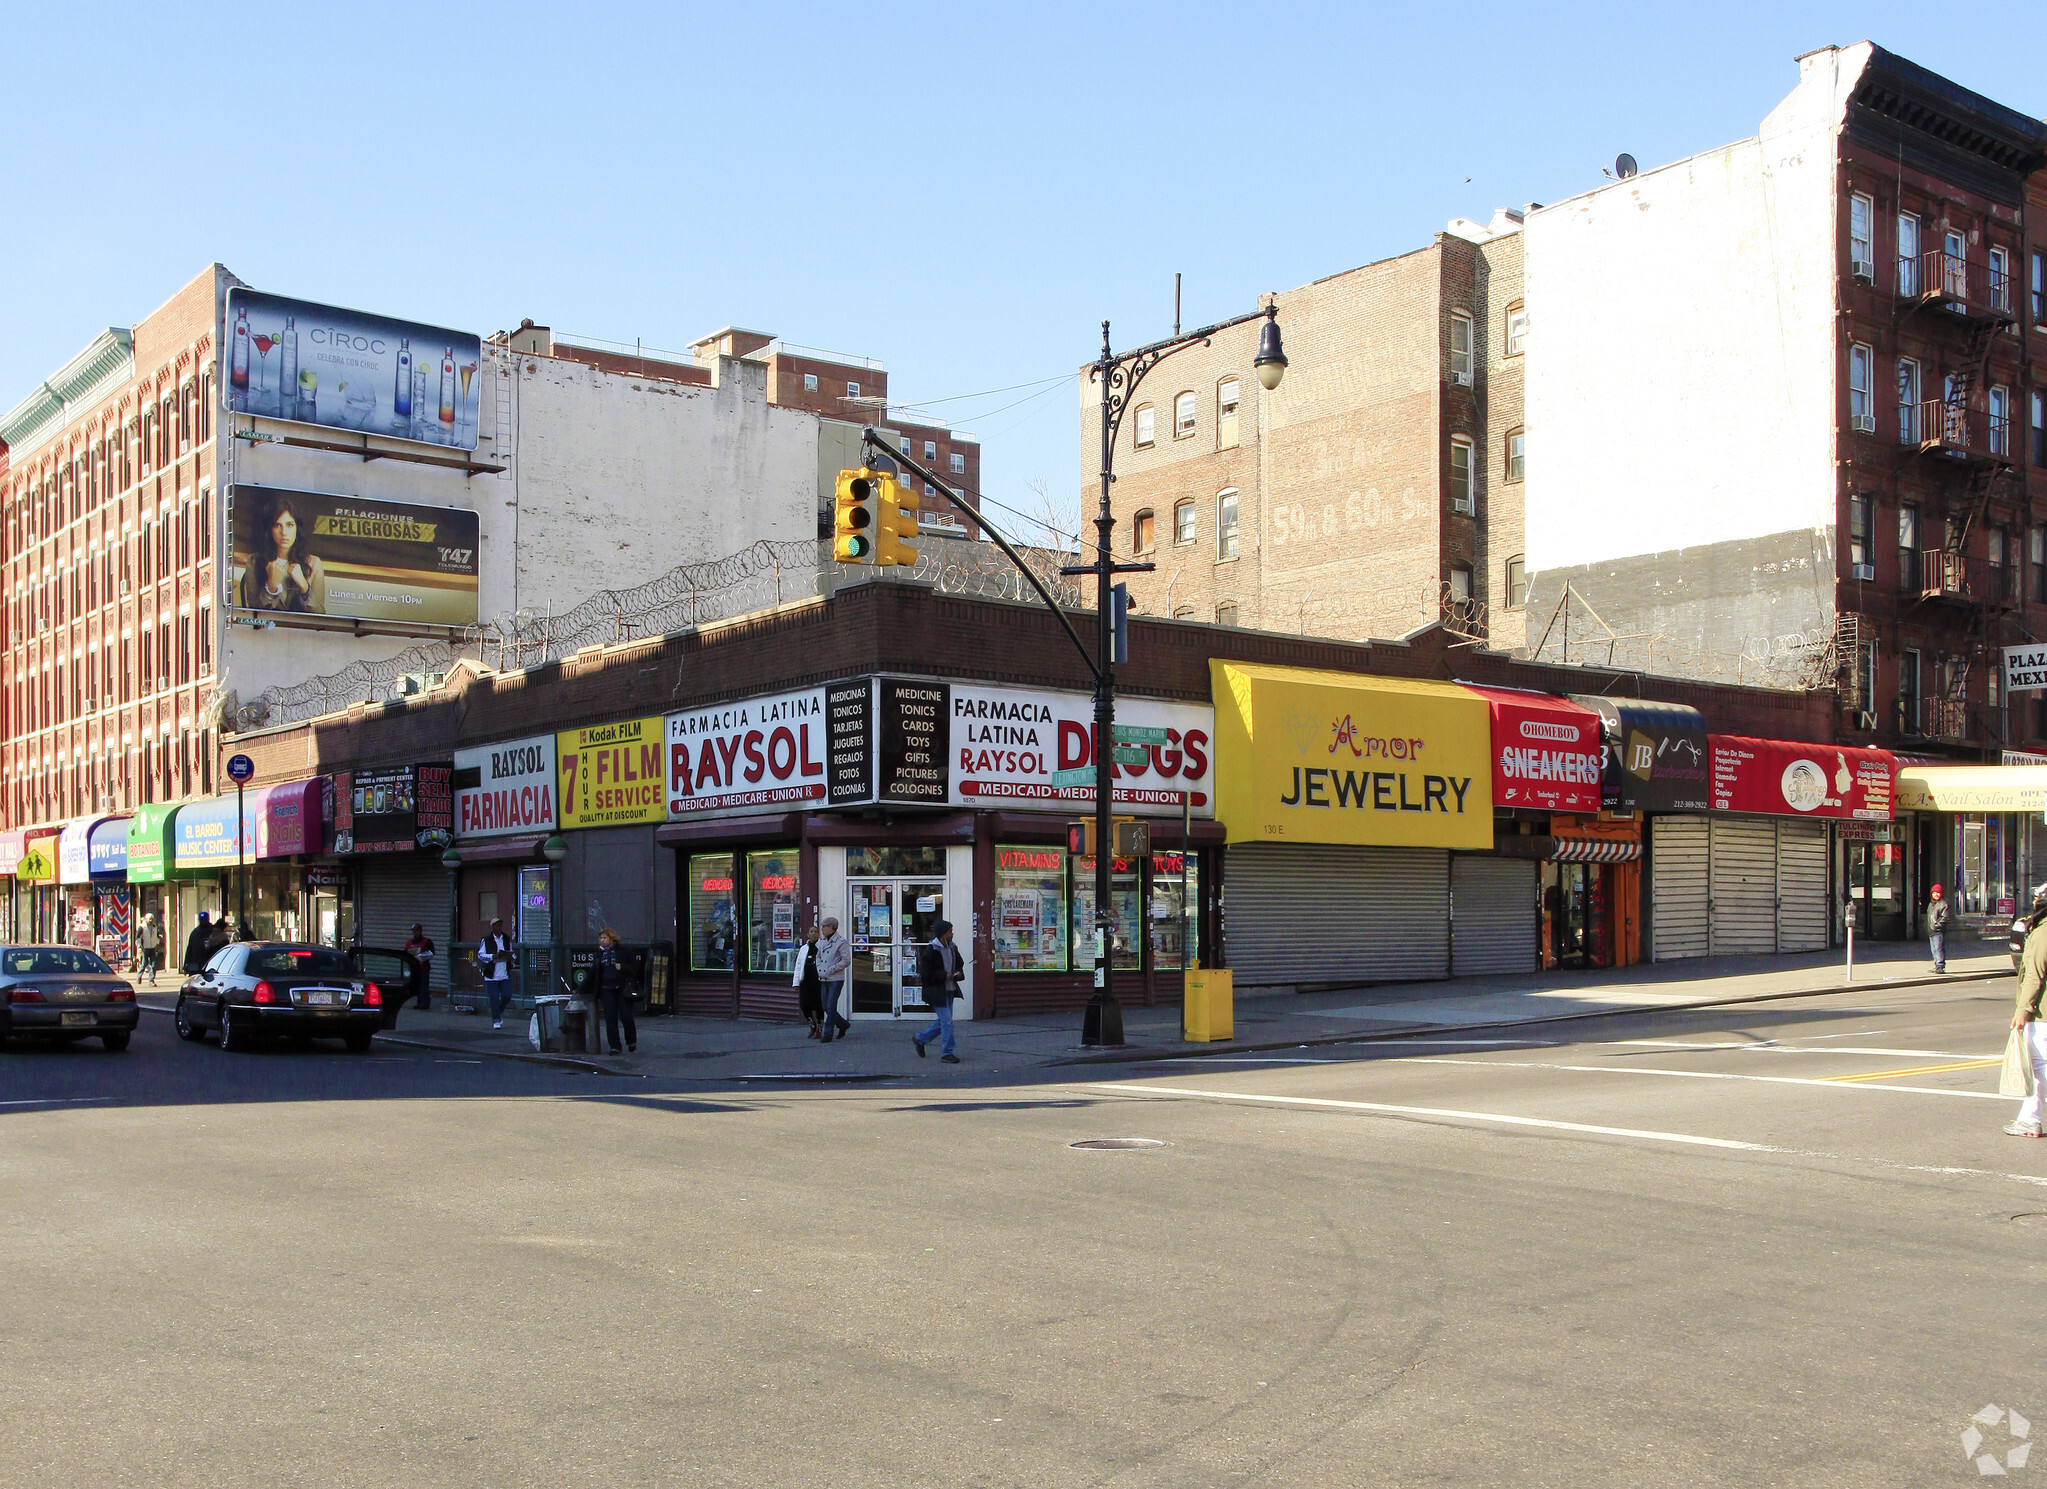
(895,521)
(855,509)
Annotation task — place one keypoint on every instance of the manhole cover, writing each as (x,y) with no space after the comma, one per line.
(2033,1217)
(1115,1144)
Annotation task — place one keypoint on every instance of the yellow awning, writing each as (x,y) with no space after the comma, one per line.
(1972,788)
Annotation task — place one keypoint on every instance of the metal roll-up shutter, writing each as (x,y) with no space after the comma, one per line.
(1743,873)
(1802,909)
(1678,854)
(1493,915)
(1317,913)
(395,890)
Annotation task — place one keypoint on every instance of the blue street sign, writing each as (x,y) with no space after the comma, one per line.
(240,768)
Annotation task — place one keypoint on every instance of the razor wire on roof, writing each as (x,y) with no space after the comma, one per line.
(756,578)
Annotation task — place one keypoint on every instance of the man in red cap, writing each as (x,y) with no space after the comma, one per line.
(1936,929)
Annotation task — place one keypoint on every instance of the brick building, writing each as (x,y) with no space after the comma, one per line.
(1376,491)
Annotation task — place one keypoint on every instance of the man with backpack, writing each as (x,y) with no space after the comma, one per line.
(938,973)
(1936,929)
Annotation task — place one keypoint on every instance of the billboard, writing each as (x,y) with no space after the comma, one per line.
(611,775)
(304,553)
(316,364)
(505,788)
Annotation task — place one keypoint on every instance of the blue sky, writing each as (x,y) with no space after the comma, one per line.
(964,192)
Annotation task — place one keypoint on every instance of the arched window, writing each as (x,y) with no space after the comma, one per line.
(1183,416)
(1141,532)
(1460,348)
(1144,429)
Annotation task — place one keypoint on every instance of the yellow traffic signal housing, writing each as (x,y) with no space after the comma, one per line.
(896,521)
(855,517)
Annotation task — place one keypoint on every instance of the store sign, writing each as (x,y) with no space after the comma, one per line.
(910,741)
(1655,755)
(203,835)
(1972,788)
(2025,669)
(296,554)
(148,848)
(1799,780)
(1548,755)
(763,753)
(849,749)
(318,364)
(611,775)
(11,846)
(326,877)
(395,809)
(1005,745)
(74,855)
(107,853)
(287,819)
(1325,757)
(505,788)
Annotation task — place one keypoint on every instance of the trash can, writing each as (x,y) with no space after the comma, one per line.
(547,1023)
(576,1021)
(1207,1008)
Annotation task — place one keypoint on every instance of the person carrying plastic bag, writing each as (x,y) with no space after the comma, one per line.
(2028,1029)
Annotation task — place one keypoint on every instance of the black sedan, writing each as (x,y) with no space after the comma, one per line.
(259,988)
(64,993)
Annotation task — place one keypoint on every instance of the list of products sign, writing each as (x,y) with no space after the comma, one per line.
(848,713)
(914,723)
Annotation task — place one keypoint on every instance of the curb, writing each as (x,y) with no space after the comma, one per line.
(565,1062)
(1186,1052)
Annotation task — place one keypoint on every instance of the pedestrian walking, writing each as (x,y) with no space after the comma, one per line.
(494,959)
(1936,928)
(195,945)
(2026,1020)
(222,935)
(422,946)
(614,993)
(938,974)
(834,960)
(150,938)
(809,987)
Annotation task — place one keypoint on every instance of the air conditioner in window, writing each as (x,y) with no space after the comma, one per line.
(1460,379)
(1862,423)
(1863,270)
(1465,504)
(1865,721)
(1862,571)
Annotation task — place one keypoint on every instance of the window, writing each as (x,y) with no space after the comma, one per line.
(1517,329)
(1908,401)
(852,390)
(1126,944)
(2040,426)
(1908,691)
(1460,348)
(959,463)
(1183,522)
(1461,498)
(1861,563)
(1183,416)
(2037,542)
(1517,453)
(2000,278)
(1861,253)
(713,939)
(1183,612)
(1998,542)
(1175,920)
(1228,394)
(1908,255)
(1865,676)
(1460,583)
(772,932)
(930,450)
(1226,613)
(1954,266)
(1908,546)
(2000,421)
(1517,582)
(1226,524)
(1146,418)
(1140,533)
(1030,909)
(1861,392)
(2039,288)
(810,382)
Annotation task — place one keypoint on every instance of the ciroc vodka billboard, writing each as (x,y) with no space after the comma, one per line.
(316,364)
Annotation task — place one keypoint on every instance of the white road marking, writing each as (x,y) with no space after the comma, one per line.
(55,1100)
(1771,1047)
(1238,1060)
(1696,1075)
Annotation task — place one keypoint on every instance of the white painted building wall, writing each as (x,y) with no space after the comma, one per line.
(1681,363)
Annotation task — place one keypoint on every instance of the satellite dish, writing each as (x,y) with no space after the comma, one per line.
(1624,166)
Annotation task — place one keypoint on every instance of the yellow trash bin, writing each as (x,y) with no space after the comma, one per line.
(1207,1011)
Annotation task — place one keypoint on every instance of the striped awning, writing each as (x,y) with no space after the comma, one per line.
(1593,850)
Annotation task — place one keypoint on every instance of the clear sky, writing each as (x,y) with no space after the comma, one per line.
(963,191)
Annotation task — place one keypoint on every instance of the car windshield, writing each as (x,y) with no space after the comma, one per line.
(49,961)
(296,961)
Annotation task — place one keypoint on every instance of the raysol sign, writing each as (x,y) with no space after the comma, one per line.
(505,788)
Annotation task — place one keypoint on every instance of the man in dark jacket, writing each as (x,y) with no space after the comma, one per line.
(938,973)
(195,944)
(1936,929)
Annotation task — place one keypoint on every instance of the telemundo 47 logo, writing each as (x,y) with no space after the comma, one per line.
(1976,1444)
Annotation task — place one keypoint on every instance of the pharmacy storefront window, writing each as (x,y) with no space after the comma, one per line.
(1030,909)
(1125,903)
(1175,923)
(771,911)
(712,937)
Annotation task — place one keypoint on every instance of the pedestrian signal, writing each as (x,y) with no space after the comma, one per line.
(896,521)
(855,509)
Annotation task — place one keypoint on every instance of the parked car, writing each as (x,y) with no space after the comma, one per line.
(259,988)
(64,993)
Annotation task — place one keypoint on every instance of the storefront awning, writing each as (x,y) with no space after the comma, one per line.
(1973,788)
(1801,780)
(204,839)
(1593,850)
(12,845)
(38,862)
(501,850)
(1547,751)
(149,835)
(286,818)
(85,849)
(1655,754)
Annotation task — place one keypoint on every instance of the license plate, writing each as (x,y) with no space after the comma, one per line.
(78,1018)
(319,1000)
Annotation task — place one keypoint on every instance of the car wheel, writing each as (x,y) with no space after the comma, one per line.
(234,1035)
(183,1019)
(115,1041)
(357,1043)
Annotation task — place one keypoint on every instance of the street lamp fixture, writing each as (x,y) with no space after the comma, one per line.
(1271,358)
(555,849)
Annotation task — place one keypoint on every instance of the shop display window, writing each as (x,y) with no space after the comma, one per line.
(1125,904)
(772,933)
(1030,909)
(713,935)
(895,863)
(1175,924)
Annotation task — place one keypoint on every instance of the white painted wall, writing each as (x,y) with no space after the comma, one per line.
(1680,364)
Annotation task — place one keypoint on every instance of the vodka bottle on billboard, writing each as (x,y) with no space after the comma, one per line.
(238,359)
(287,366)
(309,397)
(448,388)
(401,388)
(419,400)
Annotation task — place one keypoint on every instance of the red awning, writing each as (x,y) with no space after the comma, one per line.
(1801,780)
(500,850)
(1547,751)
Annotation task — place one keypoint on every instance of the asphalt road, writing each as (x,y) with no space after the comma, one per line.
(1772,1245)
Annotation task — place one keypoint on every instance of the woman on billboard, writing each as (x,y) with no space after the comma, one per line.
(281,574)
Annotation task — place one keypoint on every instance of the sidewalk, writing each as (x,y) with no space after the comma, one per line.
(746,1049)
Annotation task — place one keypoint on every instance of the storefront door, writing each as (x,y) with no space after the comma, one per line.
(888,919)
(1876,887)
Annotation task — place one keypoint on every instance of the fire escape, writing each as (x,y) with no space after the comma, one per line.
(1968,445)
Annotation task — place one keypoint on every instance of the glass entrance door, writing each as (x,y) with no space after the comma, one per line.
(888,919)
